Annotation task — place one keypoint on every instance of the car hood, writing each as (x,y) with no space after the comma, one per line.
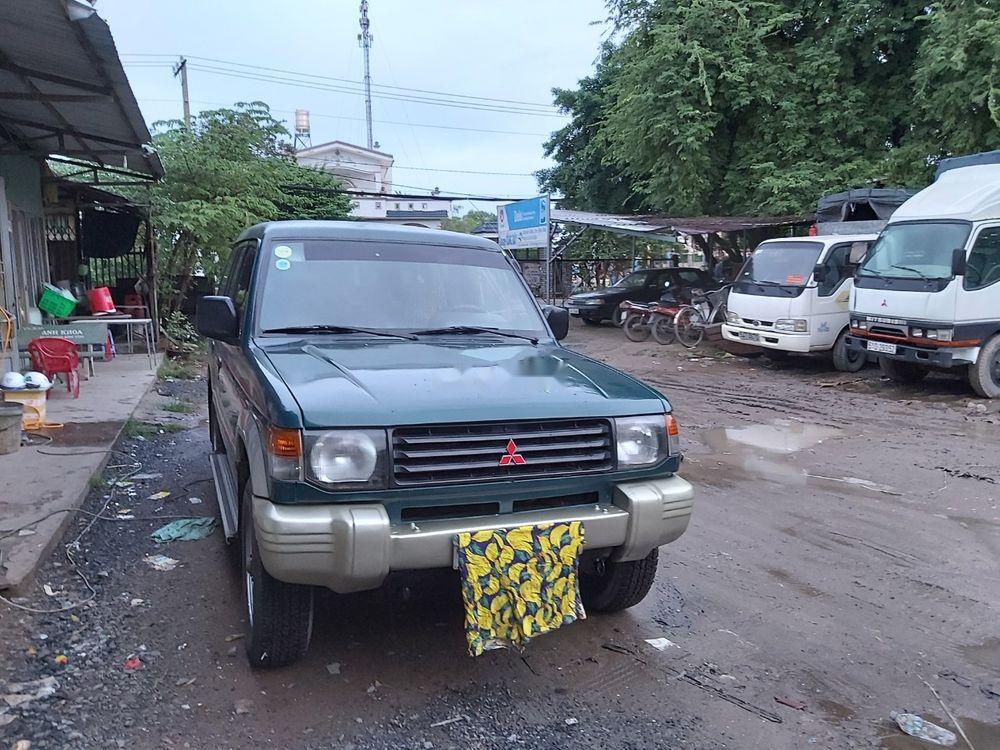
(598,294)
(386,383)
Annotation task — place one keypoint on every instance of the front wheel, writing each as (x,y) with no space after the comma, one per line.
(636,329)
(618,585)
(279,614)
(845,359)
(901,372)
(689,325)
(663,330)
(985,374)
(618,318)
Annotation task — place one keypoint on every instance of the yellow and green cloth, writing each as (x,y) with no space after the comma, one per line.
(519,583)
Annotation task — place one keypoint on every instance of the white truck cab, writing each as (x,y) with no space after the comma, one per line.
(792,296)
(928,294)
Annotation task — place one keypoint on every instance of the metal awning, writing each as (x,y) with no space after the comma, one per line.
(63,90)
(651,225)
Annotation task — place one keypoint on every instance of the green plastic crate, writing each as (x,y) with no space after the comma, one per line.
(55,304)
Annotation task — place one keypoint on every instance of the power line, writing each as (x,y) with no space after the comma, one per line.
(361,119)
(346,80)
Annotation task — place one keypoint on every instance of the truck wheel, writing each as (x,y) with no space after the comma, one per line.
(985,374)
(846,360)
(901,372)
(620,586)
(279,614)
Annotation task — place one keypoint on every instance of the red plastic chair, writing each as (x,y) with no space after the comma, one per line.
(51,355)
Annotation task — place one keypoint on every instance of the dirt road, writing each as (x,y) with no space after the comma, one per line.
(845,547)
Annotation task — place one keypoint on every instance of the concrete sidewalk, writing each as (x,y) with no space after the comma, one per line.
(34,482)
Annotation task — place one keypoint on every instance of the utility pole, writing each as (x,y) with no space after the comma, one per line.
(365,40)
(181,67)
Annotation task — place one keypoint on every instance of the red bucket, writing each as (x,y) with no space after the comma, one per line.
(100,301)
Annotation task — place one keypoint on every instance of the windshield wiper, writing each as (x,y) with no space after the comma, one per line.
(870,272)
(474,330)
(921,274)
(323,328)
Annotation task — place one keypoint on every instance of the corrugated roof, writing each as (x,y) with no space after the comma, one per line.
(650,224)
(63,90)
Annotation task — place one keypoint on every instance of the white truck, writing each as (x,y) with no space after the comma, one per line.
(928,293)
(792,296)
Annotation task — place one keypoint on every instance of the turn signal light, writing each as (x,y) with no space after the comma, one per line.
(673,436)
(284,443)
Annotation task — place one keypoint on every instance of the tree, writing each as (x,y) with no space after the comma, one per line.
(232,169)
(467,222)
(762,106)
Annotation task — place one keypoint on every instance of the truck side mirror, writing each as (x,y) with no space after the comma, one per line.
(819,273)
(558,320)
(858,252)
(216,318)
(958,261)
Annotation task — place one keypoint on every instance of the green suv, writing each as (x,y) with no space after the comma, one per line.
(376,390)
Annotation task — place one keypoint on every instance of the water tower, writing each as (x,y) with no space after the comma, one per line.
(303,138)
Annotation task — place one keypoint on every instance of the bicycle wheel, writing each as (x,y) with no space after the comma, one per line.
(636,329)
(689,325)
(663,330)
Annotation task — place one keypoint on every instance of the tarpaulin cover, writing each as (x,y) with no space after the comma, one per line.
(862,204)
(107,234)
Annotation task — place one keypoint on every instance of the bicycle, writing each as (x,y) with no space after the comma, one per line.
(705,309)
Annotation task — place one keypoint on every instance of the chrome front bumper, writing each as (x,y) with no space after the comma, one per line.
(354,547)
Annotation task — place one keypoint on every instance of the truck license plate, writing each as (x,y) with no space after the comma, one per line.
(574,311)
(747,336)
(881,347)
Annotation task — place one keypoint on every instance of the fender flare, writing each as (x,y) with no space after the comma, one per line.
(252,439)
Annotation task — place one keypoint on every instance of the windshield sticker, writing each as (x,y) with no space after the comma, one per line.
(282,264)
(794,279)
(283,251)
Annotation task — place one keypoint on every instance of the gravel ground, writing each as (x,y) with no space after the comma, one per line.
(845,547)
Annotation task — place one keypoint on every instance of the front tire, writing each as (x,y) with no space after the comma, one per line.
(985,374)
(279,614)
(620,586)
(689,324)
(636,329)
(901,372)
(846,360)
(663,331)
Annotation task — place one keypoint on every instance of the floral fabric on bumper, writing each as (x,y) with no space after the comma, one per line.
(519,583)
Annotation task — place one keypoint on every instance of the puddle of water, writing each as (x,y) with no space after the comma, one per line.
(985,654)
(981,735)
(781,436)
(83,433)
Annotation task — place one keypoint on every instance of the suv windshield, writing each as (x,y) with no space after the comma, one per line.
(921,250)
(785,263)
(392,287)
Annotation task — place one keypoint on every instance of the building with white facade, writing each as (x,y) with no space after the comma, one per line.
(362,169)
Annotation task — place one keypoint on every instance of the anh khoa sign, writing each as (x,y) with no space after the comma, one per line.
(524,223)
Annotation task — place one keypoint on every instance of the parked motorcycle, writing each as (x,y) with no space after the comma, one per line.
(656,318)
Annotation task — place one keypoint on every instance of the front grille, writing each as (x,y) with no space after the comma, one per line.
(445,454)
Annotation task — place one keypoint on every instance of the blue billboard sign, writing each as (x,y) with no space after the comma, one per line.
(524,223)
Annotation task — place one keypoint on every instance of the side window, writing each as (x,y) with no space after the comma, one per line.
(691,278)
(238,283)
(983,266)
(838,268)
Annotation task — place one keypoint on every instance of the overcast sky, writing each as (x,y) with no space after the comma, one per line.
(515,50)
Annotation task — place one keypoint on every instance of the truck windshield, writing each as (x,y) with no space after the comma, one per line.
(919,250)
(784,263)
(391,287)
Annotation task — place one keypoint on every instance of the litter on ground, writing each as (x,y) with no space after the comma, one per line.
(161,562)
(185,530)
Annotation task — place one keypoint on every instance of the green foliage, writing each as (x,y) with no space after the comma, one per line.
(762,106)
(180,406)
(178,368)
(181,333)
(467,222)
(232,169)
(135,428)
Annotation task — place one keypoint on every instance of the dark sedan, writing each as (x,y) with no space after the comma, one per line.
(639,286)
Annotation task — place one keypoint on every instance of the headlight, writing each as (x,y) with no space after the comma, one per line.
(354,458)
(939,334)
(859,323)
(733,318)
(643,441)
(791,325)
(592,302)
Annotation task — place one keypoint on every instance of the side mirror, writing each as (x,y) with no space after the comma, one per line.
(216,318)
(819,273)
(558,320)
(858,252)
(958,261)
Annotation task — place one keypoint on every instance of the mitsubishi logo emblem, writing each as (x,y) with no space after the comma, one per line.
(511,456)
(884,303)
